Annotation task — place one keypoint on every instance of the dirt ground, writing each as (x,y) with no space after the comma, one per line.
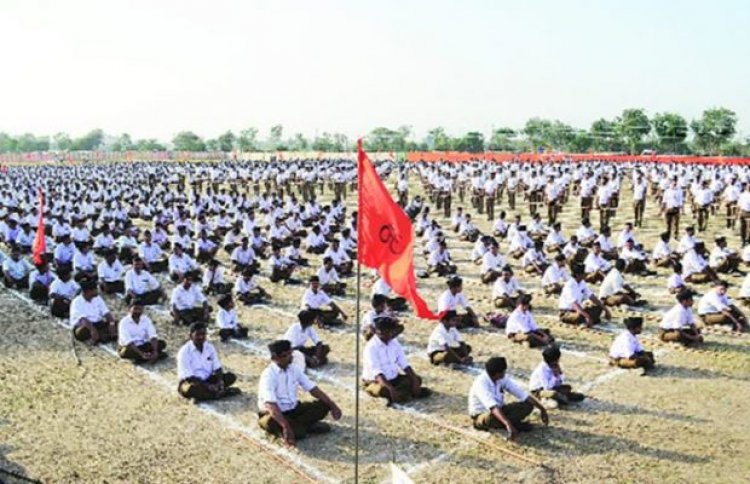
(109,421)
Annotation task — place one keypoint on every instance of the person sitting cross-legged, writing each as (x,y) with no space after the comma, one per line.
(199,370)
(40,280)
(303,330)
(110,274)
(445,346)
(136,337)
(379,309)
(521,327)
(555,276)
(453,298)
(90,318)
(572,298)
(547,381)
(141,285)
(16,270)
(247,290)
(279,410)
(61,292)
(188,304)
(383,362)
(316,299)
(678,324)
(715,307)
(487,407)
(227,320)
(505,290)
(614,291)
(627,352)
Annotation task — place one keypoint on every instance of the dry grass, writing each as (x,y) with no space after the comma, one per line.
(107,421)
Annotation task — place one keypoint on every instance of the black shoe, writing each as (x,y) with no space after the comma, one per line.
(232,391)
(319,428)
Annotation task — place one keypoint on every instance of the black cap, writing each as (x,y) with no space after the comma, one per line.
(279,346)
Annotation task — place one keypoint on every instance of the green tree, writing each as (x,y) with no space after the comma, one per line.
(604,136)
(580,142)
(188,141)
(341,142)
(438,139)
(212,144)
(227,141)
(632,125)
(123,143)
(89,142)
(248,139)
(324,142)
(148,145)
(8,143)
(473,142)
(538,133)
(274,137)
(298,142)
(62,141)
(672,130)
(715,128)
(502,140)
(28,142)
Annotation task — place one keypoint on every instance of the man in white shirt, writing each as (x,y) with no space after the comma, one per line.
(492,263)
(572,298)
(715,307)
(672,200)
(61,292)
(16,270)
(199,369)
(315,299)
(445,346)
(110,273)
(695,269)
(663,255)
(136,337)
(280,412)
(555,276)
(487,407)
(547,381)
(595,265)
(723,259)
(395,303)
(505,290)
(181,264)
(383,361)
(678,324)
(90,318)
(141,286)
(379,309)
(188,304)
(614,291)
(627,352)
(521,327)
(453,298)
(300,332)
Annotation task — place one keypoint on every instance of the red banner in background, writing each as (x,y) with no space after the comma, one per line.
(459,157)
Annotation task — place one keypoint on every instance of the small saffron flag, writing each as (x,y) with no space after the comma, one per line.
(40,243)
(384,236)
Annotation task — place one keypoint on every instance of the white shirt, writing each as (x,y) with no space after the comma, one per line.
(492,262)
(227,319)
(140,283)
(128,331)
(594,263)
(675,281)
(554,274)
(83,262)
(280,386)
(692,263)
(187,298)
(713,302)
(93,310)
(383,359)
(198,364)
(110,273)
(149,253)
(501,288)
(677,317)
(67,290)
(486,394)
(243,286)
(314,300)
(442,337)
(613,283)
(745,288)
(544,378)
(380,287)
(661,250)
(181,264)
(520,322)
(298,336)
(573,292)
(451,302)
(625,345)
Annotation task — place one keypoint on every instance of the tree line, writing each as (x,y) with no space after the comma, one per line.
(633,131)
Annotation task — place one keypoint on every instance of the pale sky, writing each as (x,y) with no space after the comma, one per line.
(153,68)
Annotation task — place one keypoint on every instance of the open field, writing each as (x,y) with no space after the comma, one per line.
(107,420)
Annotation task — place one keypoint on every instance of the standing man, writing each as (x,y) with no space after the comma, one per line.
(639,199)
(490,191)
(672,201)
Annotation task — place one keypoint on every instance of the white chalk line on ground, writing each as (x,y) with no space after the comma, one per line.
(206,408)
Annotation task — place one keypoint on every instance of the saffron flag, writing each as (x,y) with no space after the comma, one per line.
(40,243)
(384,236)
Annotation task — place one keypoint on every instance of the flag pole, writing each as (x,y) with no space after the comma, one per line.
(356,378)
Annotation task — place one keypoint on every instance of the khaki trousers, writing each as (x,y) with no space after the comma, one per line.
(300,418)
(198,390)
(516,412)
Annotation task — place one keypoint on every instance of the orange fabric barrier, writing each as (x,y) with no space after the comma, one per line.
(459,157)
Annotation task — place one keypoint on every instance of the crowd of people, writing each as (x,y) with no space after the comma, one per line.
(137,229)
